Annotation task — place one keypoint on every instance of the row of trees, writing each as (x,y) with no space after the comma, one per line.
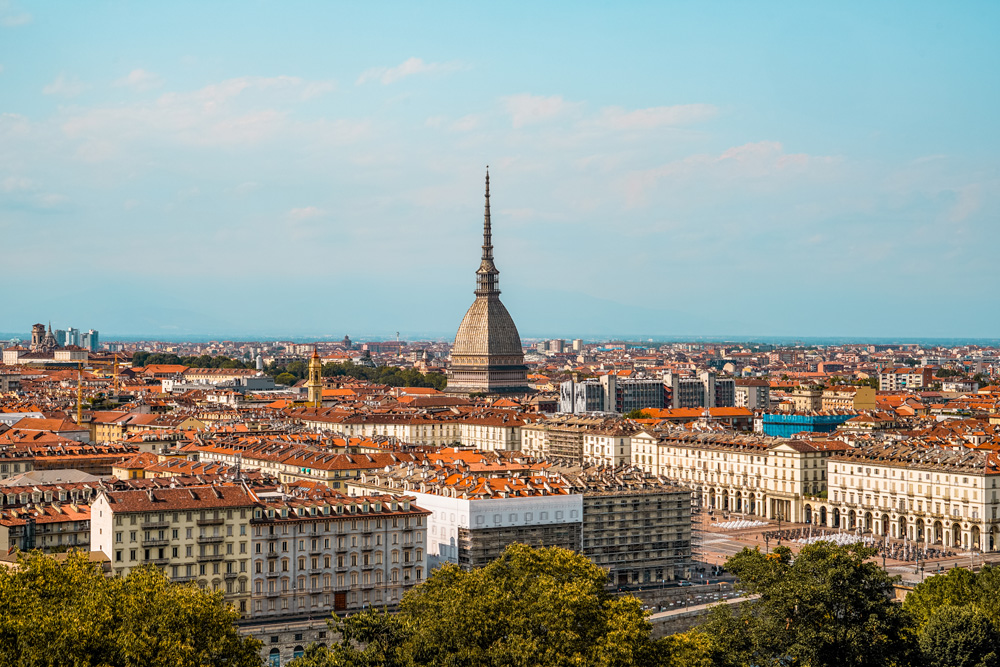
(387,375)
(828,606)
(294,371)
(143,358)
(531,607)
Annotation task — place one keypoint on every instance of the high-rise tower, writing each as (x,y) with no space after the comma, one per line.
(487,356)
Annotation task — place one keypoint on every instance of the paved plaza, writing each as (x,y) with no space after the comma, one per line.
(722,536)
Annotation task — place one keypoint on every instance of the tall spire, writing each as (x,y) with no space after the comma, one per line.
(487,227)
(486,276)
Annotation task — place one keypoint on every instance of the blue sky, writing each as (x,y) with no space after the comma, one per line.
(282,168)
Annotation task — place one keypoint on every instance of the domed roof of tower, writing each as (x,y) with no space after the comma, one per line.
(487,328)
(487,354)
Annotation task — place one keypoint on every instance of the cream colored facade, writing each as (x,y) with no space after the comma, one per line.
(849,398)
(329,553)
(806,400)
(196,534)
(769,477)
(937,496)
(488,436)
(419,430)
(578,438)
(607,448)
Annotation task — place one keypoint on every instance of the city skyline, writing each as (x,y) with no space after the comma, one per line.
(657,170)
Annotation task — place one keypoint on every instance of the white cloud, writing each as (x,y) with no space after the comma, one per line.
(141,80)
(11,16)
(232,112)
(526,109)
(409,67)
(245,188)
(16,184)
(305,213)
(968,202)
(51,200)
(617,118)
(762,161)
(466,123)
(64,86)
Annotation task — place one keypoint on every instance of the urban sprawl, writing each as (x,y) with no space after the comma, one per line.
(305,479)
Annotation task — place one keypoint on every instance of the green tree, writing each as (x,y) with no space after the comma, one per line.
(958,587)
(827,608)
(285,378)
(529,607)
(69,613)
(367,639)
(868,382)
(638,414)
(959,637)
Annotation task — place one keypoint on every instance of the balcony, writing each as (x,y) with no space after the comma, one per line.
(155,543)
(210,558)
(159,561)
(210,539)
(231,575)
(181,579)
(210,522)
(154,525)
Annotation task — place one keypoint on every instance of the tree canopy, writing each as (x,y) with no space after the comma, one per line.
(957,587)
(529,607)
(67,612)
(959,637)
(826,607)
(143,358)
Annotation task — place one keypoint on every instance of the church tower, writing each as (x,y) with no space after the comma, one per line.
(314,384)
(487,356)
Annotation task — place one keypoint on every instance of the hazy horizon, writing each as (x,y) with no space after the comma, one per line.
(829,170)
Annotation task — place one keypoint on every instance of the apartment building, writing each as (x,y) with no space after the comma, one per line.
(317,551)
(903,377)
(848,397)
(47,526)
(195,533)
(610,446)
(482,429)
(295,463)
(610,393)
(414,428)
(806,399)
(706,390)
(474,518)
(635,526)
(770,477)
(923,493)
(751,393)
(563,436)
